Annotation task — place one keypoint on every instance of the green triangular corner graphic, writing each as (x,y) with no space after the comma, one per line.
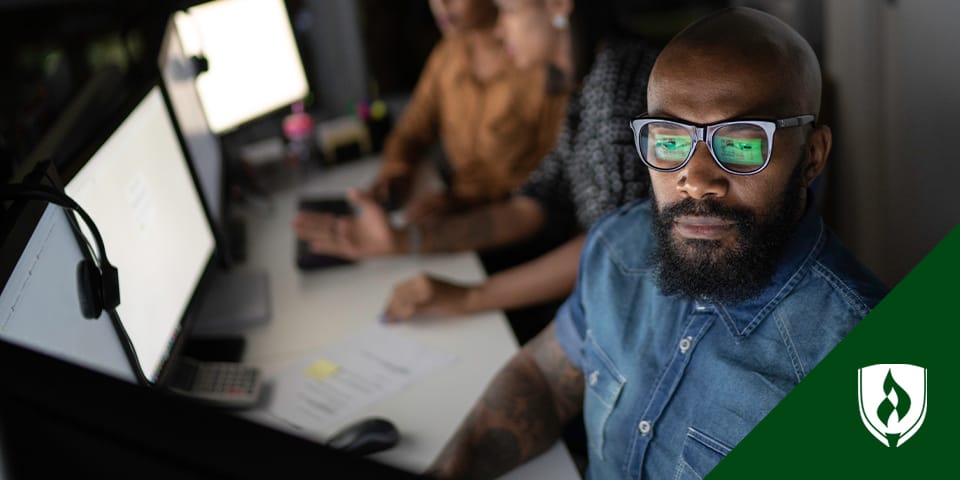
(816,431)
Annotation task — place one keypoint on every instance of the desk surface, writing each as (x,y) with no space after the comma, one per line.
(314,309)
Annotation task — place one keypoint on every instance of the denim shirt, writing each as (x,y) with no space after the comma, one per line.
(673,384)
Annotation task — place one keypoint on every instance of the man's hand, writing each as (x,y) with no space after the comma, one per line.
(429,295)
(367,234)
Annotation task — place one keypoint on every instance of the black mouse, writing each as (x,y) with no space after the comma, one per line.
(367,436)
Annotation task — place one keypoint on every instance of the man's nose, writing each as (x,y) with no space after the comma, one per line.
(701,176)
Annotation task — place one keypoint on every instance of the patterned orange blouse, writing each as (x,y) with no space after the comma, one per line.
(494,132)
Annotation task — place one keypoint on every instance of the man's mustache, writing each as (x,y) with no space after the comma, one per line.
(705,208)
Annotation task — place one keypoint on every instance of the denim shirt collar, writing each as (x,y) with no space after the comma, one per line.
(743,318)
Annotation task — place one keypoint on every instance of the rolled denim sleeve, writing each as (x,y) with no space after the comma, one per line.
(571,319)
(571,324)
(571,330)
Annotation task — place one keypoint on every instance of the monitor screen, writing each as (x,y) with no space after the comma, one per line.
(138,189)
(254,64)
(179,77)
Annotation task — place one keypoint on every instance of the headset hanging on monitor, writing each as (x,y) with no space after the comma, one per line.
(98,282)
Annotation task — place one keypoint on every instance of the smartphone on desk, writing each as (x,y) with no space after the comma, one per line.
(307,260)
(223,384)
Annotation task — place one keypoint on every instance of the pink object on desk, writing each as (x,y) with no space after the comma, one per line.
(297,126)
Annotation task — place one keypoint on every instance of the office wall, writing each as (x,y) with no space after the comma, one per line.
(337,54)
(805,16)
(895,167)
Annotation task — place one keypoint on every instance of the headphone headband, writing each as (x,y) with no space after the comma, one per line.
(109,284)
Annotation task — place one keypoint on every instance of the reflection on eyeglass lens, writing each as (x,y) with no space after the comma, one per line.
(672,148)
(741,151)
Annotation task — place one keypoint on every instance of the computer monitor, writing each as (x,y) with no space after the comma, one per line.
(254,64)
(40,293)
(179,75)
(138,189)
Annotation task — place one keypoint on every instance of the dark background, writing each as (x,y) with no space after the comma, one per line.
(889,67)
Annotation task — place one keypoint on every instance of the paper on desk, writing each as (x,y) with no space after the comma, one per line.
(331,385)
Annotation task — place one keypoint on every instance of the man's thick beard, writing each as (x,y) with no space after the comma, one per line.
(698,268)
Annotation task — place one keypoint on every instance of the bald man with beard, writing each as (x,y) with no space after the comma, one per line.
(698,310)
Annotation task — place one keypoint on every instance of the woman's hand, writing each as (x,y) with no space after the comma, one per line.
(428,295)
(366,234)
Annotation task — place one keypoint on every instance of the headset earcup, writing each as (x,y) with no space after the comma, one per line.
(88,286)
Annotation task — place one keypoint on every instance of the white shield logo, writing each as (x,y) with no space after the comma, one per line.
(893,401)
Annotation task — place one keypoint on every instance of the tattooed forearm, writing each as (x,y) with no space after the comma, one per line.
(503,448)
(463,232)
(565,380)
(518,416)
(484,227)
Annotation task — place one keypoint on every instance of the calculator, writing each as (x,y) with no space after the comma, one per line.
(224,384)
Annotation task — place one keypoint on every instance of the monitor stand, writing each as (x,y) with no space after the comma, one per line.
(236,232)
(235,300)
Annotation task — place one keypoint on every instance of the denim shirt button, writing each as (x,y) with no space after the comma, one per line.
(593,377)
(644,427)
(685,344)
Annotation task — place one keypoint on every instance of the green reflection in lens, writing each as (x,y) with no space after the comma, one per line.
(741,151)
(672,148)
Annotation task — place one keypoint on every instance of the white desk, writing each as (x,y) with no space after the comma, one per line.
(316,308)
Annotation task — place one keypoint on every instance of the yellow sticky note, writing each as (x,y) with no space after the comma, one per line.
(322,369)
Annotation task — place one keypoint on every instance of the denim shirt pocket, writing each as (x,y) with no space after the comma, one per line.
(604,384)
(701,452)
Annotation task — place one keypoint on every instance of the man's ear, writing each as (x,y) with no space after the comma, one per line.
(818,150)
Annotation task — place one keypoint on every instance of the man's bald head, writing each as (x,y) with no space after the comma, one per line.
(755,52)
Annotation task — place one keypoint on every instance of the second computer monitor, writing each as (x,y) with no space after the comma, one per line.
(179,74)
(138,189)
(254,63)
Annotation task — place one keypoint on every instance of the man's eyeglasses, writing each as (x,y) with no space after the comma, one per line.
(740,147)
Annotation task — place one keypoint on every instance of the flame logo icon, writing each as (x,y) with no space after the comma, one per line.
(896,400)
(893,401)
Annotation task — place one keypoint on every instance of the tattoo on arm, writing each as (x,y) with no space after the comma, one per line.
(463,232)
(563,377)
(488,226)
(519,416)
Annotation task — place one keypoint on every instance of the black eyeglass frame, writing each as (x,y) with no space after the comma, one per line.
(704,133)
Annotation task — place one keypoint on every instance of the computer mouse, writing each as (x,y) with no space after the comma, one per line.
(367,436)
